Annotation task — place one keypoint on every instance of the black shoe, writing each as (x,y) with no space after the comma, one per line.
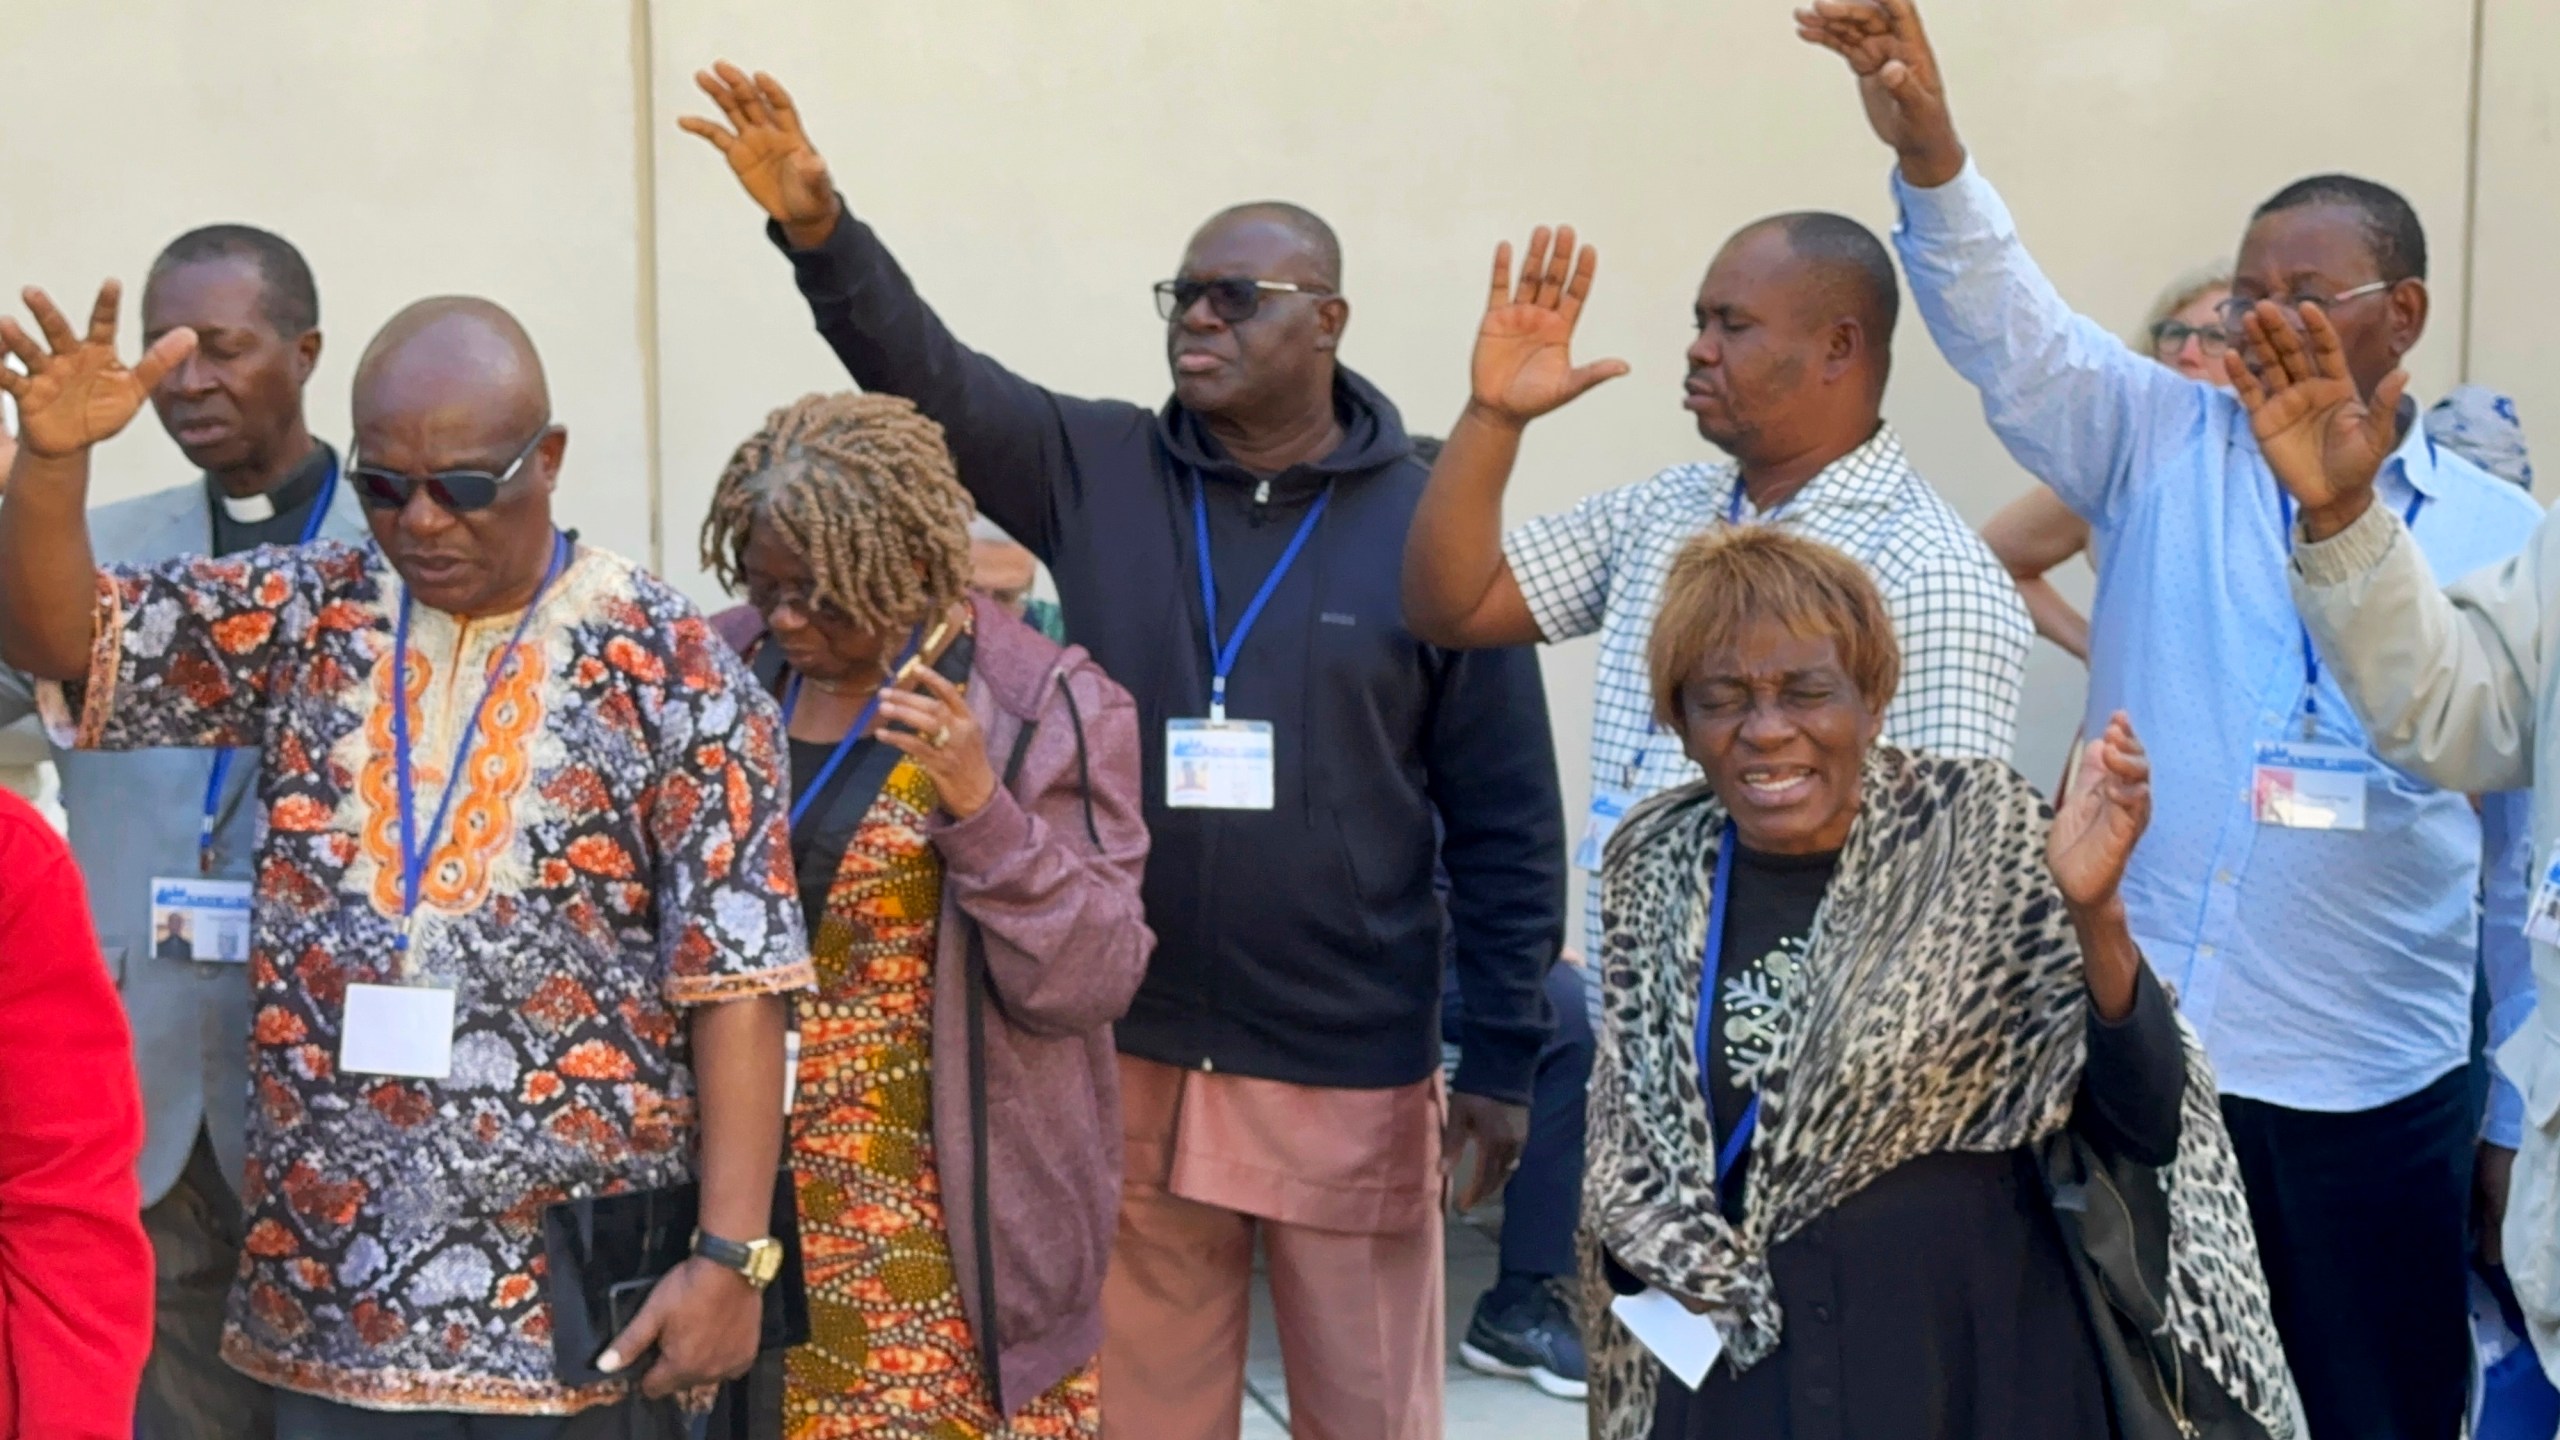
(1534,1340)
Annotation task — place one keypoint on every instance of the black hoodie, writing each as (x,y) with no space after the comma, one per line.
(1302,943)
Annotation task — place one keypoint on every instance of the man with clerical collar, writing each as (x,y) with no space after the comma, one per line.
(524,925)
(143,821)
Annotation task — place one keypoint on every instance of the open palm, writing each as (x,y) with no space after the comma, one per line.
(77,392)
(765,145)
(2324,441)
(2100,821)
(1523,364)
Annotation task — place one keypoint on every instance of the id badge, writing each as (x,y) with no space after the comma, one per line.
(397,1030)
(2307,786)
(1218,764)
(2542,918)
(193,918)
(1608,807)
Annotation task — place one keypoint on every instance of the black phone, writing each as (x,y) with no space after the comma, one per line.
(607,1252)
(622,1304)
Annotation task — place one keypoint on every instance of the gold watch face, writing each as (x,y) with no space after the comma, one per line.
(764,1261)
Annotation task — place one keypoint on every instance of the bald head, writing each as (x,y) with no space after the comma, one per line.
(450,394)
(453,353)
(1315,249)
(1841,271)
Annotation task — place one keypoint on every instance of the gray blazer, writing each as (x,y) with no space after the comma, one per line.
(135,815)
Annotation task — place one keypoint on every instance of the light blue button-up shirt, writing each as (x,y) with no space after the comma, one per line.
(2326,970)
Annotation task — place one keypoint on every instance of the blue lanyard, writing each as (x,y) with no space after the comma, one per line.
(1222,658)
(1733,505)
(214,783)
(1728,1154)
(2310,656)
(415,849)
(853,736)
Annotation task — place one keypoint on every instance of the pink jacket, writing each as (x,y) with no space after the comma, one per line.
(1048,873)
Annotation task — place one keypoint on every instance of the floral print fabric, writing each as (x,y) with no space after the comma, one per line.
(891,1352)
(616,854)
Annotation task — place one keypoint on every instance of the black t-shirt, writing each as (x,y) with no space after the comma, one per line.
(1768,920)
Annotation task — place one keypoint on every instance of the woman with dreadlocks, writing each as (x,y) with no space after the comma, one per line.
(966,827)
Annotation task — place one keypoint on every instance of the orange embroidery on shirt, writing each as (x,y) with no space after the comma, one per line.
(481,823)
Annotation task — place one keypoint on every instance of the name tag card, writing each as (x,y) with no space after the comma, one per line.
(1218,764)
(193,918)
(1685,1342)
(1608,807)
(2304,786)
(2542,920)
(397,1030)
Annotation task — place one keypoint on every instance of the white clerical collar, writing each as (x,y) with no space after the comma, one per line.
(247,509)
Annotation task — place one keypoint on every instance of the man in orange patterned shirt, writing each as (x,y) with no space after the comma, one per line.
(524,917)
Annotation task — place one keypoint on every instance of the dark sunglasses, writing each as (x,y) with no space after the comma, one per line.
(1232,298)
(459,491)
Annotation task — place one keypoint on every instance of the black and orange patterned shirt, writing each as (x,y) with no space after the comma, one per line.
(618,853)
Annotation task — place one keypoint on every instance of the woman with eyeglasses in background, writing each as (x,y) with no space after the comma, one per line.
(966,830)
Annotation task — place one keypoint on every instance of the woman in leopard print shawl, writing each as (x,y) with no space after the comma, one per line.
(1939,1013)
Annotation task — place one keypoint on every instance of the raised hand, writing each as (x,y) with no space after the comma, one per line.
(2324,441)
(8,444)
(78,393)
(2106,812)
(767,149)
(1897,70)
(1523,364)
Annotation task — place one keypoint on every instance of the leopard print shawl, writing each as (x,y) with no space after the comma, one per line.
(1941,1008)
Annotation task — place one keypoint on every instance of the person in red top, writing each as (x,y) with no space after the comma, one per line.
(75,1271)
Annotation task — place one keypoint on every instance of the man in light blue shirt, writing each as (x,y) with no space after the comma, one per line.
(2312,907)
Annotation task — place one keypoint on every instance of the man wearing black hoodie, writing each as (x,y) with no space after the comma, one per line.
(1233,559)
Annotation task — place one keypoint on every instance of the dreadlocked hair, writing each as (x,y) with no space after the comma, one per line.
(863,488)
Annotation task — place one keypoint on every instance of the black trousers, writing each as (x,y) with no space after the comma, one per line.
(1542,1203)
(2362,1222)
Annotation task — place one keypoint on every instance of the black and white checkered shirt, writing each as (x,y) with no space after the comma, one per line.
(1964,633)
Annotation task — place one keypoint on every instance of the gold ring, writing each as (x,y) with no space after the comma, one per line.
(941,737)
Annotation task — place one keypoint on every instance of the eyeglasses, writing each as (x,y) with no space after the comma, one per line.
(1232,298)
(459,491)
(768,595)
(2236,310)
(2171,336)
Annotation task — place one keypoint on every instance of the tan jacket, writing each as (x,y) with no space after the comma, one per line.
(2453,685)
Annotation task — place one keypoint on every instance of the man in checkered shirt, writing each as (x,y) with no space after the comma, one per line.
(1795,330)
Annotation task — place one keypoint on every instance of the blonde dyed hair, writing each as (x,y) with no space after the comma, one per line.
(1738,575)
(863,488)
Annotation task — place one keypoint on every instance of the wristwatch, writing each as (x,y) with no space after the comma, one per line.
(756,1261)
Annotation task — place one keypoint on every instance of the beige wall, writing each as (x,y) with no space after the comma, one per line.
(1037,166)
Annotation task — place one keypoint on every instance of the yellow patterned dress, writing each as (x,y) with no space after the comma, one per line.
(890,1352)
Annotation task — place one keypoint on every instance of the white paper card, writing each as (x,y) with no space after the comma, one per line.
(1218,764)
(2542,918)
(1608,807)
(1685,1342)
(790,1071)
(397,1030)
(2304,786)
(198,919)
